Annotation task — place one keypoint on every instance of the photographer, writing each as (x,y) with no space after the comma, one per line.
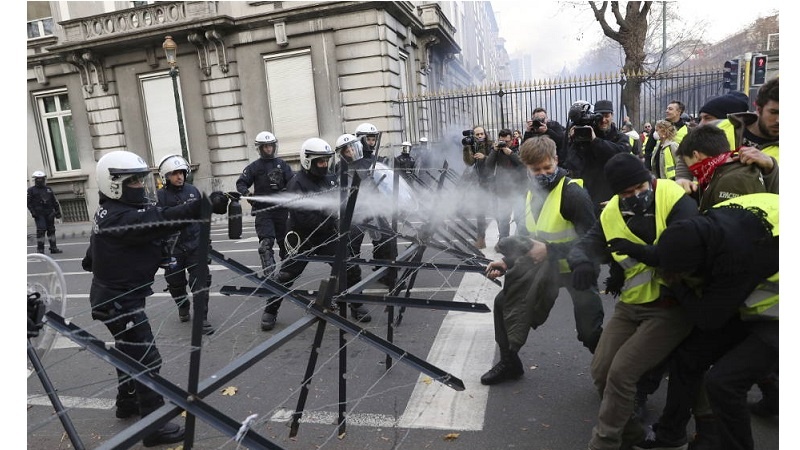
(593,139)
(510,183)
(540,125)
(476,147)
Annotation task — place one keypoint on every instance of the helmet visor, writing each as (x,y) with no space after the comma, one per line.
(141,187)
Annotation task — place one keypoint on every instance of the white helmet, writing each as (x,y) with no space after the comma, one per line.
(366,129)
(405,147)
(38,174)
(116,169)
(265,138)
(349,141)
(312,149)
(171,163)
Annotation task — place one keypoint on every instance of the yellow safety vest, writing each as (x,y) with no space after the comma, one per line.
(551,227)
(669,160)
(730,133)
(642,285)
(762,303)
(681,133)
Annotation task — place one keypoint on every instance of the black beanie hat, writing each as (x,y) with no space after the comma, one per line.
(682,245)
(723,105)
(624,170)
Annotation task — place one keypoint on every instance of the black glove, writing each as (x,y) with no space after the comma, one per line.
(645,254)
(584,276)
(58,215)
(219,202)
(34,216)
(233,195)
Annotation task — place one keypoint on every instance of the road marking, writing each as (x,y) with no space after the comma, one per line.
(73,402)
(330,418)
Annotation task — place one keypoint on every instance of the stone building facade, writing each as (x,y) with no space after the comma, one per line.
(98,79)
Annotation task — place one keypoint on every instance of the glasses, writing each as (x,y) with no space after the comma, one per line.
(480,134)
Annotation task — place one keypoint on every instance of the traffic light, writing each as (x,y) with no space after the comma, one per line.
(730,75)
(759,69)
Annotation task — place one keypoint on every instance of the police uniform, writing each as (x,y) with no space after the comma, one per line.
(44,209)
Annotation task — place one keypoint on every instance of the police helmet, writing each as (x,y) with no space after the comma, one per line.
(266,138)
(115,170)
(171,163)
(349,141)
(311,150)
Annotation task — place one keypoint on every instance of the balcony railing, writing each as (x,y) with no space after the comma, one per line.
(135,20)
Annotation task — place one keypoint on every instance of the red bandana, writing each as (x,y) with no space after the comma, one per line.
(704,169)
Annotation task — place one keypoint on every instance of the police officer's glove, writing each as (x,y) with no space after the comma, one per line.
(58,215)
(219,202)
(233,195)
(645,254)
(584,276)
(33,216)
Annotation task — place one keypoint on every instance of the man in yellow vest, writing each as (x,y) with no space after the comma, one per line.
(647,325)
(673,113)
(558,211)
(722,267)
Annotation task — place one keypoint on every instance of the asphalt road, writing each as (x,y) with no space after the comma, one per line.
(389,406)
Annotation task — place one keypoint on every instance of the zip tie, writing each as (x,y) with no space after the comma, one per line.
(245,426)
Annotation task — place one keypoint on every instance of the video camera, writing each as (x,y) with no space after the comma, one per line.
(469,138)
(581,115)
(501,144)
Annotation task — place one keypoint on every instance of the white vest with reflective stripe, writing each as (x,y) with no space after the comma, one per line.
(641,283)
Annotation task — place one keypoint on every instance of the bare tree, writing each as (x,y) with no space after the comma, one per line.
(632,37)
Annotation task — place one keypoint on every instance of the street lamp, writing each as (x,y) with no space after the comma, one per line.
(171,51)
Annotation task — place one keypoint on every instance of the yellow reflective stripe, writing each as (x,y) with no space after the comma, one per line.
(559,236)
(640,279)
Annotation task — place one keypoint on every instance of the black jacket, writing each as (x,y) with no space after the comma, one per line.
(125,246)
(587,160)
(42,201)
(171,195)
(737,254)
(267,176)
(313,220)
(508,172)
(556,132)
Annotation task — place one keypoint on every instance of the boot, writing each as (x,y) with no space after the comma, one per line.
(170,433)
(127,405)
(480,243)
(208,329)
(40,248)
(53,248)
(181,298)
(509,368)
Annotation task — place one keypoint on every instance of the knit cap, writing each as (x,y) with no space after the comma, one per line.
(723,105)
(624,170)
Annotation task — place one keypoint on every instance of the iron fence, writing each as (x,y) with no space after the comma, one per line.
(437,115)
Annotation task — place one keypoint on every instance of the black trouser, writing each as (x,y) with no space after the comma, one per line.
(45,224)
(133,336)
(382,248)
(272,225)
(175,276)
(291,268)
(739,357)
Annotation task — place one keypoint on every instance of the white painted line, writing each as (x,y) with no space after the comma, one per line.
(330,418)
(464,347)
(73,402)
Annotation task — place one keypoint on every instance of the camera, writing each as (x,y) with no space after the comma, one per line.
(580,114)
(469,138)
(536,124)
(502,144)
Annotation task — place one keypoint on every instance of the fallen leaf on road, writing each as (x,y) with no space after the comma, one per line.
(230,390)
(427,380)
(451,436)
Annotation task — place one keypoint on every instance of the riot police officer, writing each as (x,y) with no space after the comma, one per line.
(44,209)
(184,245)
(124,253)
(404,162)
(312,230)
(370,139)
(269,175)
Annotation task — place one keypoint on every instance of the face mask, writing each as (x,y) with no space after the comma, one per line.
(39,182)
(545,180)
(133,196)
(639,203)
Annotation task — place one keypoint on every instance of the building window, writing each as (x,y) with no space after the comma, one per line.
(291,97)
(161,115)
(405,91)
(58,131)
(40,20)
